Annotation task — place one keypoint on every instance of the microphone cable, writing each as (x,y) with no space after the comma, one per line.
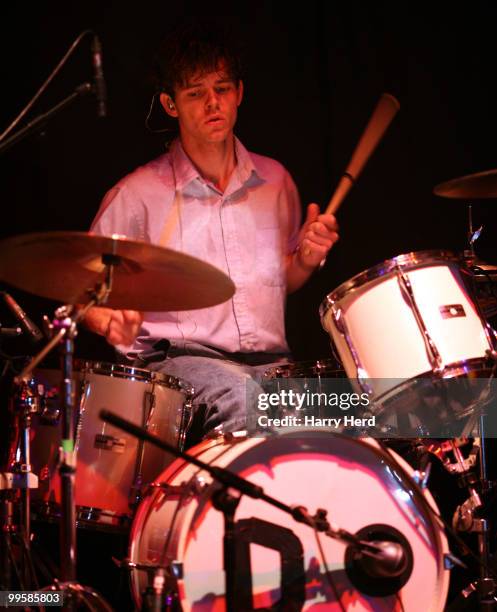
(44,86)
(327,571)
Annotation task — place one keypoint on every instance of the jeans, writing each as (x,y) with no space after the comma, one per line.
(226,384)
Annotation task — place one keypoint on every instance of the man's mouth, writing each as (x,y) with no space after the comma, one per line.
(215,119)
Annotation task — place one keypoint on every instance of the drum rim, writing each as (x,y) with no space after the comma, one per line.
(455,369)
(313,367)
(408,261)
(120,370)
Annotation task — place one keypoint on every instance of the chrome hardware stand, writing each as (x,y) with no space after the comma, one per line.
(158,596)
(469,516)
(15,493)
(64,329)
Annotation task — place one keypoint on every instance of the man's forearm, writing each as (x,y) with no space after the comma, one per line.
(297,273)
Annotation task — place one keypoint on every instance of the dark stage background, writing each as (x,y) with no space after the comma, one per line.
(314,73)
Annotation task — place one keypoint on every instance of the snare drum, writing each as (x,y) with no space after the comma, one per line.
(409,317)
(112,465)
(302,376)
(322,368)
(364,488)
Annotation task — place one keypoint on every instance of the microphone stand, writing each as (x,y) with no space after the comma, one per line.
(224,501)
(65,322)
(37,124)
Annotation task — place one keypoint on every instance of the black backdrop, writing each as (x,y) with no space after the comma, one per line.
(314,73)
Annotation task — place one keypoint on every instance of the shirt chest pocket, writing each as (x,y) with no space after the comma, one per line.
(269,257)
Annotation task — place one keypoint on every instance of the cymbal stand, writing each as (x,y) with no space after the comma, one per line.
(487,584)
(16,484)
(470,516)
(470,254)
(65,327)
(158,595)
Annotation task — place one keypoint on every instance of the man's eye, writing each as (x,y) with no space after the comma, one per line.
(223,89)
(194,94)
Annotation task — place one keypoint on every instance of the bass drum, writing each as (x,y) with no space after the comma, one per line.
(364,489)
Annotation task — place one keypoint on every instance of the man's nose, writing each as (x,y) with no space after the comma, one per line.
(212,101)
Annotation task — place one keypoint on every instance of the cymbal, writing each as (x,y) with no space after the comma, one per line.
(65,266)
(480,185)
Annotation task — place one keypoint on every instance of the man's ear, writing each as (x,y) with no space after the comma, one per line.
(168,104)
(240,93)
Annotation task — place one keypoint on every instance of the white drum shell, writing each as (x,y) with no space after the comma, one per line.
(348,478)
(383,331)
(106,456)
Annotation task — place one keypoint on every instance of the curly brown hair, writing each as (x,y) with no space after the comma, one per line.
(198,46)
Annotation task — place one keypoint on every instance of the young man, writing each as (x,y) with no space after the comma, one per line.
(209,197)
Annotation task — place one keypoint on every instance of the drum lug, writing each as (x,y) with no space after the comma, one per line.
(362,374)
(150,401)
(177,569)
(85,390)
(337,313)
(173,569)
(408,294)
(185,421)
(193,488)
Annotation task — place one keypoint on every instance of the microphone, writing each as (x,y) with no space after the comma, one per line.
(389,560)
(98,77)
(381,563)
(27,325)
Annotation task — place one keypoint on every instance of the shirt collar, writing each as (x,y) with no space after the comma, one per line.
(185,172)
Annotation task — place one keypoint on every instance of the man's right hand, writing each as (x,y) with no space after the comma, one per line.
(117,326)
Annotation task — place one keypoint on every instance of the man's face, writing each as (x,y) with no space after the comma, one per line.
(206,106)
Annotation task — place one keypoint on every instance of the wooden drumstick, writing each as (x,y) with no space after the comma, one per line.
(382,116)
(385,111)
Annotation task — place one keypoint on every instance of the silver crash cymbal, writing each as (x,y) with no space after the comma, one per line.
(65,266)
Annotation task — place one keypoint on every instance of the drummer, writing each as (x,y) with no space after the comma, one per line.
(209,197)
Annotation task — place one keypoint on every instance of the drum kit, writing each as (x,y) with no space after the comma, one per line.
(398,329)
